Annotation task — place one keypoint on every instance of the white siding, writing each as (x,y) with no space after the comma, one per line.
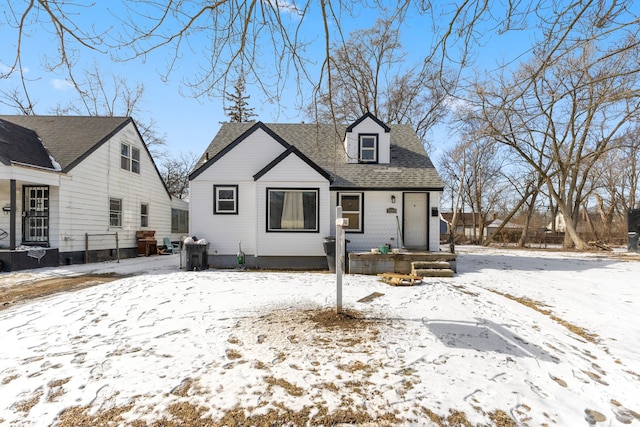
(236,167)
(368,126)
(434,221)
(223,232)
(28,176)
(85,193)
(380,227)
(292,172)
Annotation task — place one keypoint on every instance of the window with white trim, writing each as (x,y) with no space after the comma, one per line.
(352,208)
(292,210)
(144,215)
(368,148)
(115,212)
(129,158)
(225,199)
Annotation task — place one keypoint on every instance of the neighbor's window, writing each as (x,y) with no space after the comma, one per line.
(225,199)
(115,212)
(368,148)
(129,158)
(179,221)
(144,215)
(292,210)
(352,208)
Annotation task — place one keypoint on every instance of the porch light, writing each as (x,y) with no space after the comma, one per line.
(393,198)
(6,209)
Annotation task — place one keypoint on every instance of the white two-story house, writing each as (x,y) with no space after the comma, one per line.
(76,189)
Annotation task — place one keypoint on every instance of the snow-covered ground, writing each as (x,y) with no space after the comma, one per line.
(549,338)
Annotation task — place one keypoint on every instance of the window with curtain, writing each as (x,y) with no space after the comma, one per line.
(292,210)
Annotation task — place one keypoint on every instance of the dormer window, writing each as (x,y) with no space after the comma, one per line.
(368,148)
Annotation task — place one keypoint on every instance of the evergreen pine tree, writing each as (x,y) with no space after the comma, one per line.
(239,110)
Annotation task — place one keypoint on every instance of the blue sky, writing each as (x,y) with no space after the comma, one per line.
(190,124)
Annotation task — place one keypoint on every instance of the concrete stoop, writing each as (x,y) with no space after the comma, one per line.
(431,269)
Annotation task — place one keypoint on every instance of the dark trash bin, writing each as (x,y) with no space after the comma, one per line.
(197,256)
(329,244)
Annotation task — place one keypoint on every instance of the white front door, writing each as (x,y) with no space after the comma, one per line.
(415,220)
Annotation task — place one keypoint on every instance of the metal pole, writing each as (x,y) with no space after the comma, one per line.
(86,248)
(117,247)
(339,263)
(12,213)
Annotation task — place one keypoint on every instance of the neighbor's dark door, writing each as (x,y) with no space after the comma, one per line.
(35,215)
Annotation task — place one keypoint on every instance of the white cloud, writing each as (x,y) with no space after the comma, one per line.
(60,84)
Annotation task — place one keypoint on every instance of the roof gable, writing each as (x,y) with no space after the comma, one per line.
(70,139)
(218,154)
(410,167)
(291,151)
(368,115)
(22,145)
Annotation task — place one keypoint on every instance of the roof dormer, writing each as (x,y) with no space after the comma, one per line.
(368,140)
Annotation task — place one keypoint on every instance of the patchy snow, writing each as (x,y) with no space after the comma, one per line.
(566,355)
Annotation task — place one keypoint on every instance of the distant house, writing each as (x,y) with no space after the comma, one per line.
(508,231)
(75,189)
(467,224)
(274,188)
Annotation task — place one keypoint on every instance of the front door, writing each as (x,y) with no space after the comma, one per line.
(416,230)
(35,215)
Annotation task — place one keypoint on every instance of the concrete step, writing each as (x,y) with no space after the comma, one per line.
(432,272)
(416,265)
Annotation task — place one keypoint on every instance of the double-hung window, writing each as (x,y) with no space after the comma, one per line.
(225,199)
(352,208)
(115,212)
(368,148)
(292,210)
(144,215)
(129,158)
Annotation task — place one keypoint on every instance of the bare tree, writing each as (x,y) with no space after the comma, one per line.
(370,75)
(268,35)
(562,117)
(14,99)
(175,173)
(106,94)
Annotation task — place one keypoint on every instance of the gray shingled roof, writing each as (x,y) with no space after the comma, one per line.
(22,145)
(410,166)
(70,139)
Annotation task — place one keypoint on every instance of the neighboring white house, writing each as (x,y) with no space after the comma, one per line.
(274,188)
(69,185)
(509,228)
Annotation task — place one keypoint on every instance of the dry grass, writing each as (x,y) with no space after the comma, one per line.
(538,306)
(355,330)
(185,414)
(46,287)
(27,404)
